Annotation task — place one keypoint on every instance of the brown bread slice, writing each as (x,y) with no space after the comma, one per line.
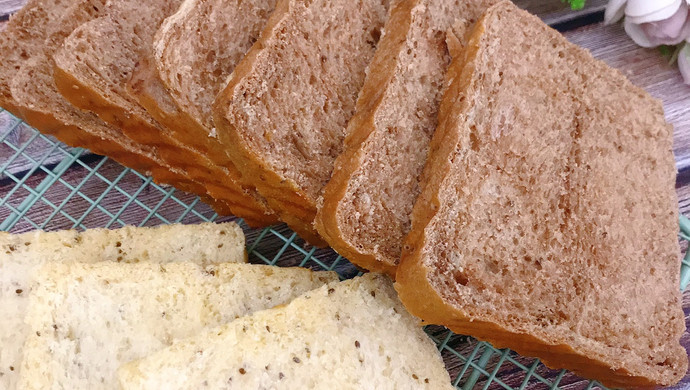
(547,220)
(29,90)
(22,38)
(284,112)
(195,50)
(92,69)
(367,203)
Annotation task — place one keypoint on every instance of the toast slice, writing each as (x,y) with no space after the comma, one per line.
(21,255)
(88,319)
(194,52)
(151,94)
(28,90)
(367,204)
(22,38)
(196,49)
(345,335)
(284,112)
(548,218)
(91,70)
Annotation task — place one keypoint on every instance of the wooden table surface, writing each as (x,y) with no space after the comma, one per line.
(645,67)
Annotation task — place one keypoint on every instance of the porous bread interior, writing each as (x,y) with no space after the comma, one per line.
(548,212)
(93,67)
(356,331)
(87,319)
(21,255)
(284,112)
(368,202)
(197,48)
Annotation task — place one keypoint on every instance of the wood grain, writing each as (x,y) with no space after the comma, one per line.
(10,6)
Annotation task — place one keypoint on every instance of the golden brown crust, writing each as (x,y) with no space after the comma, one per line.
(293,206)
(225,188)
(77,137)
(151,93)
(423,299)
(361,126)
(223,181)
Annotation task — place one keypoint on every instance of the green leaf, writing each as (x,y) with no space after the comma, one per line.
(576,4)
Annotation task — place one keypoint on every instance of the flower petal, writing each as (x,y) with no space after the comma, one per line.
(645,11)
(615,10)
(637,34)
(684,63)
(671,31)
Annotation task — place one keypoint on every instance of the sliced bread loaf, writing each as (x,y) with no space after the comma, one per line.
(35,33)
(21,39)
(88,319)
(367,204)
(91,70)
(195,50)
(345,335)
(284,112)
(547,220)
(21,256)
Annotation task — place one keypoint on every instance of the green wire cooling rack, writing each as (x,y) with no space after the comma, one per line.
(47,185)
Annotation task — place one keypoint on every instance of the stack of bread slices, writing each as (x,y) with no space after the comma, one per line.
(156,308)
(519,190)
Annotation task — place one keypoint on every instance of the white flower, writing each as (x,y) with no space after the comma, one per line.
(684,62)
(652,23)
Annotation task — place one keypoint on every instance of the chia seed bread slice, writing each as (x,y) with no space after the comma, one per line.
(33,94)
(367,204)
(21,255)
(284,112)
(547,221)
(346,335)
(88,319)
(91,70)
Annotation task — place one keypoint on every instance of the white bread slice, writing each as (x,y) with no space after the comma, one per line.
(367,204)
(346,335)
(88,319)
(284,112)
(548,219)
(21,255)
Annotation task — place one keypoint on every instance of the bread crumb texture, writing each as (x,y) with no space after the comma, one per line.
(22,255)
(86,320)
(345,335)
(548,211)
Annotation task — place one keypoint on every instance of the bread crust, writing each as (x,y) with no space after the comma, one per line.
(415,286)
(199,169)
(361,126)
(290,202)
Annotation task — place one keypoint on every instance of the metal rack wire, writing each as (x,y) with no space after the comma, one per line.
(46,185)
